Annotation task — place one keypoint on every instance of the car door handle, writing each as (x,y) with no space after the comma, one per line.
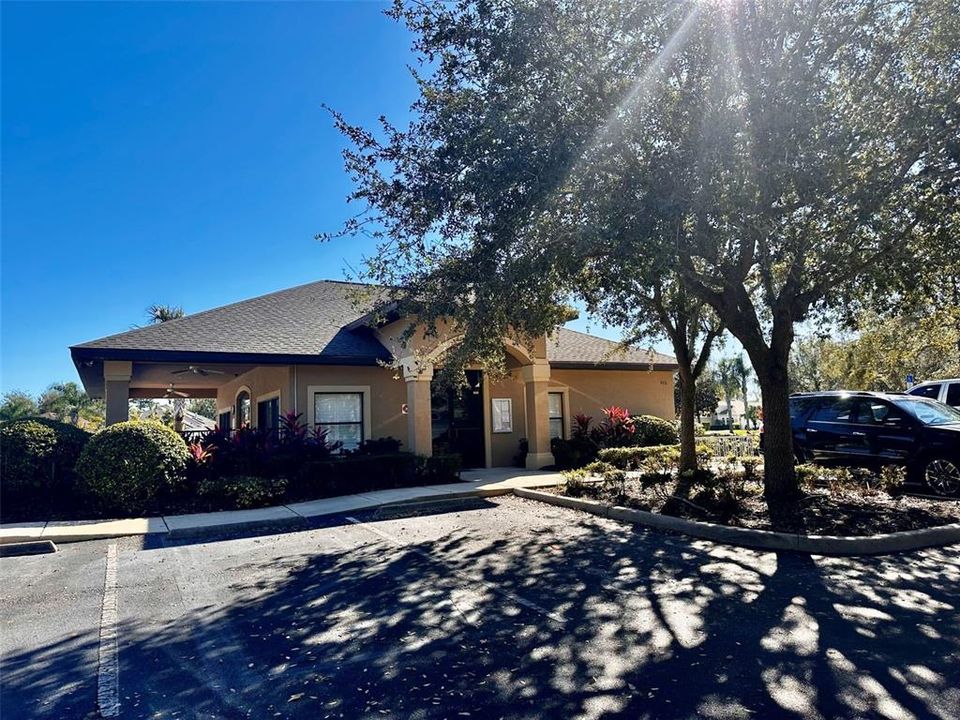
(859,434)
(812,430)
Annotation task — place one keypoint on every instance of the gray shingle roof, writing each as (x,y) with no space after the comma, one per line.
(572,348)
(305,320)
(310,321)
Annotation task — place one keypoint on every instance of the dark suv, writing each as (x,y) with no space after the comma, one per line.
(871,429)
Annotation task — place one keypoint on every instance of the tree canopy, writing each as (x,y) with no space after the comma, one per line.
(776,159)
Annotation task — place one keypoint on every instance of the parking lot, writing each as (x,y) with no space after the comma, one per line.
(485,609)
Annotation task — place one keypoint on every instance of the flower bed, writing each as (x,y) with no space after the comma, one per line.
(134,469)
(836,501)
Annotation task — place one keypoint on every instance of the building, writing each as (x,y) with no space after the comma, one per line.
(315,351)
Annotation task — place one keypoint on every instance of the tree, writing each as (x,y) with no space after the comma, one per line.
(707,395)
(206,407)
(774,158)
(727,378)
(649,303)
(881,355)
(742,372)
(68,402)
(162,313)
(17,404)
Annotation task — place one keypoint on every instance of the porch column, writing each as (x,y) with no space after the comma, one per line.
(536,378)
(419,422)
(116,389)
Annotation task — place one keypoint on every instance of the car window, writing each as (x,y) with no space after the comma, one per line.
(800,406)
(929,412)
(834,410)
(927,391)
(877,412)
(953,394)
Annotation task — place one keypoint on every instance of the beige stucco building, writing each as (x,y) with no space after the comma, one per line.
(313,350)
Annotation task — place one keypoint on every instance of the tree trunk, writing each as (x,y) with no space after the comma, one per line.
(780,481)
(729,409)
(688,411)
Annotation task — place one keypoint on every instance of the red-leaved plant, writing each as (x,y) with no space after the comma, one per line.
(617,428)
(581,428)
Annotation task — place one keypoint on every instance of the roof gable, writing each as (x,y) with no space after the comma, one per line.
(307,320)
(322,322)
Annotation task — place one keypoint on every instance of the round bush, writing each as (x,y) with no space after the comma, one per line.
(127,466)
(37,452)
(651,430)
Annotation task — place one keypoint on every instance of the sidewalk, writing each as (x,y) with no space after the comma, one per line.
(476,483)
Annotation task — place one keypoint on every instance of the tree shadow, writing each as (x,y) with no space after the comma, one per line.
(519,610)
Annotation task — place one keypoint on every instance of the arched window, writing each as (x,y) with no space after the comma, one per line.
(243,409)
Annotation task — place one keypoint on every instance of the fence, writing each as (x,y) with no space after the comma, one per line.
(736,445)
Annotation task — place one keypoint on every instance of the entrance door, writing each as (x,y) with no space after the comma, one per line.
(457,417)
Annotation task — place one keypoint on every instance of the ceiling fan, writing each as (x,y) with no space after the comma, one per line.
(173,391)
(197,371)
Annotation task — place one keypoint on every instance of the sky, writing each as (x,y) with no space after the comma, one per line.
(176,153)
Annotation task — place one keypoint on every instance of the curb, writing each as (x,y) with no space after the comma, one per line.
(760,539)
(216,524)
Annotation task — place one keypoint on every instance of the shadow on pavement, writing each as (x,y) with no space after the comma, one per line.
(553,617)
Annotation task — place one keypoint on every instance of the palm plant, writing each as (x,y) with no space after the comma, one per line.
(162,313)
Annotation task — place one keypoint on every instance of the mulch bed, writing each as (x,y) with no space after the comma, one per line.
(849,511)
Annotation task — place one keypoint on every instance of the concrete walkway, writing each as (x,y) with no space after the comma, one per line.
(476,483)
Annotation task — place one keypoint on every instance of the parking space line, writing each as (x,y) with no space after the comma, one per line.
(108,680)
(559,619)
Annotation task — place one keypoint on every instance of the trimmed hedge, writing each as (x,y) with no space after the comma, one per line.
(632,458)
(129,467)
(241,492)
(37,452)
(650,430)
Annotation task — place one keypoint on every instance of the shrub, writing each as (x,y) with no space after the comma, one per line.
(241,492)
(575,483)
(352,474)
(35,453)
(617,429)
(378,446)
(127,467)
(439,469)
(650,430)
(573,453)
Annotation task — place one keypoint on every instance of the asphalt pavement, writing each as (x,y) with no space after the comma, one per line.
(484,608)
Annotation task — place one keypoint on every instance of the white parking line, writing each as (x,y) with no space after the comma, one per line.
(108,681)
(559,619)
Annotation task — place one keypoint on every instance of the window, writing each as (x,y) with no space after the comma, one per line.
(268,414)
(953,394)
(341,414)
(927,391)
(502,415)
(243,409)
(223,423)
(555,403)
(837,410)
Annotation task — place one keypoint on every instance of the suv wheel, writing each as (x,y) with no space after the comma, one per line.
(942,476)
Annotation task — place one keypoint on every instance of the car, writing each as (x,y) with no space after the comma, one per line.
(871,429)
(946,391)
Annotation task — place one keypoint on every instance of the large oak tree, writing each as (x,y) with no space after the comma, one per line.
(770,157)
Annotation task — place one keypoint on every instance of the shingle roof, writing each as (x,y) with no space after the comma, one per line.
(310,321)
(572,348)
(305,320)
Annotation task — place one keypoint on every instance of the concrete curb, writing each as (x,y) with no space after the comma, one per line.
(760,539)
(279,516)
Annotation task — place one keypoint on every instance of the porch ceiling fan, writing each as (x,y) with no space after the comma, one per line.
(203,372)
(171,391)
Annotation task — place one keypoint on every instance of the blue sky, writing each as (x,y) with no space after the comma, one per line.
(175,153)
